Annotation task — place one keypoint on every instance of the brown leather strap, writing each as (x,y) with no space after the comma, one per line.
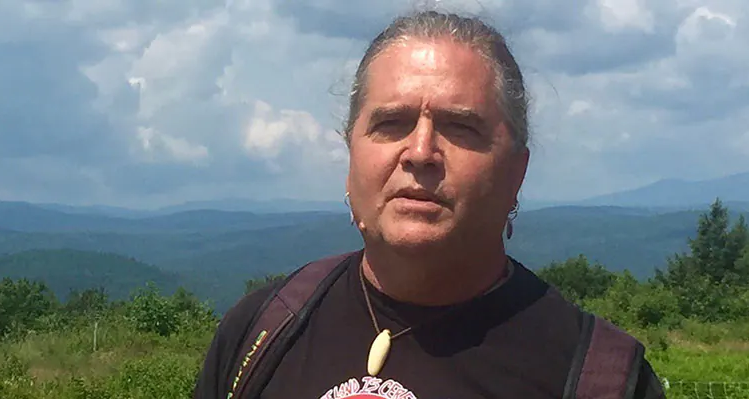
(611,363)
(283,311)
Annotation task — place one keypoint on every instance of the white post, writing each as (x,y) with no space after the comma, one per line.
(96,327)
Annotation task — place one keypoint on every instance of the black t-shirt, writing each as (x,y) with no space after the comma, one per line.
(515,342)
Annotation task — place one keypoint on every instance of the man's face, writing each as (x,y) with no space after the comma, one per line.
(431,160)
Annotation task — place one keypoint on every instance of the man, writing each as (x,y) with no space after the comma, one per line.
(432,307)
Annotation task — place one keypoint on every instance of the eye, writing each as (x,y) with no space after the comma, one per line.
(387,123)
(462,128)
(395,127)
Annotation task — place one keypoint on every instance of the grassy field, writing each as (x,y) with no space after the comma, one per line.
(701,360)
(130,364)
(126,363)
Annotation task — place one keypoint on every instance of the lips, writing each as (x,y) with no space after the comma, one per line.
(418,194)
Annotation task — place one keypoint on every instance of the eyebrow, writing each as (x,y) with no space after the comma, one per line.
(465,115)
(385,112)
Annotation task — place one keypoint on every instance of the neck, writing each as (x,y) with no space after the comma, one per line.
(434,279)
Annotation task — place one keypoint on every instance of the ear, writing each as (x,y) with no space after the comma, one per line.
(348,181)
(520,168)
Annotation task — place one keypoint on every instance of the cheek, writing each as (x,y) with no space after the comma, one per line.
(370,169)
(474,176)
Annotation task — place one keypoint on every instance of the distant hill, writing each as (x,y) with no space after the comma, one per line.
(541,236)
(733,190)
(634,238)
(101,210)
(668,195)
(258,206)
(160,247)
(21,216)
(215,220)
(213,252)
(258,253)
(67,269)
(275,206)
(619,238)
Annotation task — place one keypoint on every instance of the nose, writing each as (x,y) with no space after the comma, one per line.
(423,149)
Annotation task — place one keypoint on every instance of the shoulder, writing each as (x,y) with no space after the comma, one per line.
(238,318)
(546,304)
(648,384)
(222,353)
(569,320)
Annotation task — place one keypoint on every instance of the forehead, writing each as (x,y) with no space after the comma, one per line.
(441,72)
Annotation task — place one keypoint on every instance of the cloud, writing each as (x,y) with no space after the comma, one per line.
(143,103)
(38,176)
(156,145)
(618,15)
(579,107)
(160,98)
(265,138)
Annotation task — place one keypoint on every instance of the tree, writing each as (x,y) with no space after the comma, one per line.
(152,312)
(631,303)
(616,304)
(191,312)
(255,284)
(22,304)
(742,269)
(707,280)
(577,279)
(737,244)
(709,247)
(90,302)
(716,249)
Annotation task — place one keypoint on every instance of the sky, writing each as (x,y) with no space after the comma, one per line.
(142,104)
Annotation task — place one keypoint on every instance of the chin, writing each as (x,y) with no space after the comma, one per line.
(415,236)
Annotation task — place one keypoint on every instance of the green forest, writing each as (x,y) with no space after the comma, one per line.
(692,314)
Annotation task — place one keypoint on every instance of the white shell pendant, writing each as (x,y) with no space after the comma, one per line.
(378,352)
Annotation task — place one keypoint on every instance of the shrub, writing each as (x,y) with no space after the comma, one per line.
(577,279)
(77,388)
(704,332)
(15,381)
(657,339)
(654,305)
(12,367)
(169,376)
(151,312)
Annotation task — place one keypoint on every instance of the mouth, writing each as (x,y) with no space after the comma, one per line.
(417,194)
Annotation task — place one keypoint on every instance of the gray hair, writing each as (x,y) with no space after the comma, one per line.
(487,41)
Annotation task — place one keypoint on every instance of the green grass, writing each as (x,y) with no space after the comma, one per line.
(701,360)
(126,364)
(131,364)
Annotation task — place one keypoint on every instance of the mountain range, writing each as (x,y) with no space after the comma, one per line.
(665,195)
(213,258)
(675,193)
(668,195)
(213,251)
(281,205)
(21,216)
(65,270)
